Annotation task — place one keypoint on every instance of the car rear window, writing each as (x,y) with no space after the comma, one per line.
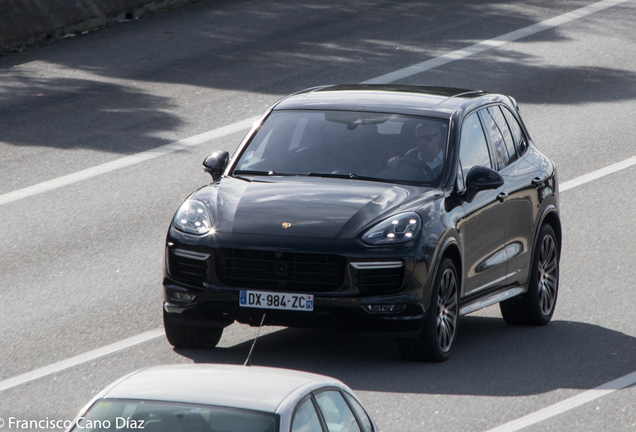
(118,415)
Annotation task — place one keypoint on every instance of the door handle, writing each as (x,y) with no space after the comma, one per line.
(502,196)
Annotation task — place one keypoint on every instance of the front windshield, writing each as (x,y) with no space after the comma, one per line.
(118,415)
(378,146)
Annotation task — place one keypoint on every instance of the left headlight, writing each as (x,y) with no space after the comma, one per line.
(397,229)
(193,218)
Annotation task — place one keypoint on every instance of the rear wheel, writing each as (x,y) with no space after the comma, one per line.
(185,336)
(536,306)
(440,329)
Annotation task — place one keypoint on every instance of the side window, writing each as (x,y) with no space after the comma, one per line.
(500,121)
(498,145)
(336,412)
(517,133)
(473,149)
(365,422)
(306,418)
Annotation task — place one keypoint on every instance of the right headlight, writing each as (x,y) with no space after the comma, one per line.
(396,229)
(193,218)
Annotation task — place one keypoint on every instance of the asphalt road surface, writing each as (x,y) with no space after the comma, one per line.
(85,201)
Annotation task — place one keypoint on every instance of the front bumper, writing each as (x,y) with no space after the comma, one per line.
(220,308)
(369,297)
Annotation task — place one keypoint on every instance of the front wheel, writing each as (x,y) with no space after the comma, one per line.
(440,329)
(185,336)
(536,306)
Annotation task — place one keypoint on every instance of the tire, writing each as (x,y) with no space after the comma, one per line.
(440,328)
(184,336)
(536,306)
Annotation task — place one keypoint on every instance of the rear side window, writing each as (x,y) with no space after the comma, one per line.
(365,422)
(499,147)
(500,121)
(473,149)
(336,412)
(517,134)
(306,418)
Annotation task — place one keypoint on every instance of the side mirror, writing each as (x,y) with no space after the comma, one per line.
(215,164)
(480,178)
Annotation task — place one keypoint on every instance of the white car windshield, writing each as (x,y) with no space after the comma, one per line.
(118,415)
(353,144)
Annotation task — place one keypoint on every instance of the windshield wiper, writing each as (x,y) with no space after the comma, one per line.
(351,176)
(266,173)
(354,176)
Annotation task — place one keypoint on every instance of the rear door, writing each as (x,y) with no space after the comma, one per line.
(517,173)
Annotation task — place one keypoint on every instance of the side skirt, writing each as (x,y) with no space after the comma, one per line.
(490,300)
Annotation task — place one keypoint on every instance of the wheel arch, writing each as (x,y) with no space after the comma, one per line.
(450,249)
(452,252)
(551,217)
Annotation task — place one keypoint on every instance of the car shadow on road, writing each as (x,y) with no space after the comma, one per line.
(490,358)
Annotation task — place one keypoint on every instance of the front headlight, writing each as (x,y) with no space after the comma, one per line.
(193,218)
(397,229)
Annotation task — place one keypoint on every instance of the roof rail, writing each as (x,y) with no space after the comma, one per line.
(462,94)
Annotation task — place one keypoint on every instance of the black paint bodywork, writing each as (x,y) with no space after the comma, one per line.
(490,236)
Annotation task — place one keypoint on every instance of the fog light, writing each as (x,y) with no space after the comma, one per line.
(183,296)
(387,308)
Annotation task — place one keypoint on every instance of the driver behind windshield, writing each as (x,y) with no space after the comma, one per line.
(429,150)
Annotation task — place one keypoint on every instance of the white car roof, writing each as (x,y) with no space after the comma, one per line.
(249,387)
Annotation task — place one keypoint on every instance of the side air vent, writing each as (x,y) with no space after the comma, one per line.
(188,266)
(379,278)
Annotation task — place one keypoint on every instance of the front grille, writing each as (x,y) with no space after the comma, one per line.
(287,271)
(188,267)
(380,280)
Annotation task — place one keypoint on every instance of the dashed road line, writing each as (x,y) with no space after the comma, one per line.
(567,404)
(79,359)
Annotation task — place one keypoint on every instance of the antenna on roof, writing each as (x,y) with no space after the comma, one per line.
(249,356)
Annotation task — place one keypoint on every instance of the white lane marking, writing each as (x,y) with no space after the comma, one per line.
(494,43)
(598,174)
(79,359)
(127,161)
(246,124)
(538,416)
(567,404)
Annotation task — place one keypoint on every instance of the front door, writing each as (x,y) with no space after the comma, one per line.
(483,227)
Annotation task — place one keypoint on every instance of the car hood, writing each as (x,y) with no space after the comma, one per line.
(305,206)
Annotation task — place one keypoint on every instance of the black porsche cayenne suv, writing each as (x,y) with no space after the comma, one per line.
(384,208)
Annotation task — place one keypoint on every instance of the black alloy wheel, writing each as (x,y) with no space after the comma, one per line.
(536,306)
(184,336)
(440,330)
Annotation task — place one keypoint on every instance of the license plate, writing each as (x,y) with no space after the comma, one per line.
(270,300)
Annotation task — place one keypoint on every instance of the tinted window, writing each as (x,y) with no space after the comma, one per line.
(473,149)
(306,418)
(500,121)
(349,142)
(360,412)
(107,415)
(517,133)
(499,147)
(336,412)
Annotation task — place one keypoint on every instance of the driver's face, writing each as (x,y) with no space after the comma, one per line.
(428,139)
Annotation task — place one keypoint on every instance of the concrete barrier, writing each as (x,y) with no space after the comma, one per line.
(25,22)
